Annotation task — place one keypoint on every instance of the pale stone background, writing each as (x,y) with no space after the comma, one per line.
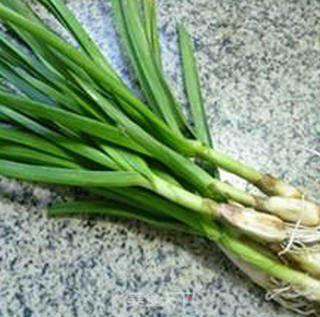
(260,70)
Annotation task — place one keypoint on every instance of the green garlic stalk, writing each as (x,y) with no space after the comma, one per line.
(78,124)
(267,183)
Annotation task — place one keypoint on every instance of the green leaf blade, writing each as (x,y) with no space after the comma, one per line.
(193,88)
(26,155)
(64,176)
(27,139)
(71,23)
(102,209)
(74,121)
(194,94)
(146,67)
(150,20)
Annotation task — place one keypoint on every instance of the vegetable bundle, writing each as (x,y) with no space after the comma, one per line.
(66,117)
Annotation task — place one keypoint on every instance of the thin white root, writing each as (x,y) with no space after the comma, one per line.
(300,300)
(302,308)
(304,234)
(300,239)
(306,256)
(291,239)
(298,247)
(301,248)
(290,298)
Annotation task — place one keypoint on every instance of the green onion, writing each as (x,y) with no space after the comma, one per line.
(72,121)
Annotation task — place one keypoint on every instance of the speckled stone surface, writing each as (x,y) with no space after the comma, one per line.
(260,70)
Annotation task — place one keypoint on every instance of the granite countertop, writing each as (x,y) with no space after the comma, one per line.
(260,70)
